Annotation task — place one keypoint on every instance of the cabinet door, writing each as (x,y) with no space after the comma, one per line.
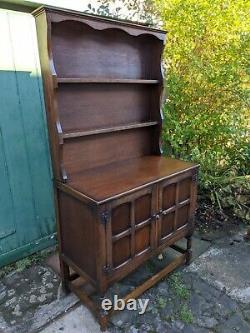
(177,197)
(131,228)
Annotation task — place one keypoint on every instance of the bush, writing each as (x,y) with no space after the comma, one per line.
(207,97)
(207,109)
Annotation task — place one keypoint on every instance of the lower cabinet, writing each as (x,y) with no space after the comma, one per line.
(141,223)
(105,242)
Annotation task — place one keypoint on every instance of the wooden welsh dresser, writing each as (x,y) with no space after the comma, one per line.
(119,201)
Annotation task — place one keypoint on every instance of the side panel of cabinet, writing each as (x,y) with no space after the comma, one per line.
(131,231)
(77,224)
(177,198)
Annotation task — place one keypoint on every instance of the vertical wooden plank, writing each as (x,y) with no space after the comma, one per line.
(103,247)
(31,110)
(176,205)
(23,146)
(155,207)
(12,134)
(7,225)
(159,206)
(193,198)
(108,236)
(7,217)
(132,221)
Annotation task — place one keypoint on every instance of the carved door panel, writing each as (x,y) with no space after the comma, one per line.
(176,203)
(131,230)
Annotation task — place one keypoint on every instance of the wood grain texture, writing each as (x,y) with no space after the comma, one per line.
(123,202)
(92,106)
(100,22)
(98,151)
(107,54)
(77,233)
(104,80)
(109,129)
(117,178)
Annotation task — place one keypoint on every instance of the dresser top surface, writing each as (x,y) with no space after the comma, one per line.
(110,181)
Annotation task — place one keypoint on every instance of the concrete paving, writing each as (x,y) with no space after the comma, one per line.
(227,267)
(212,295)
(30,299)
(78,320)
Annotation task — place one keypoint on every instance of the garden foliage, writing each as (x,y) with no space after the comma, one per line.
(206,113)
(207,109)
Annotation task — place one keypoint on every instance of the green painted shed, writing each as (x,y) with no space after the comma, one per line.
(27,217)
(27,214)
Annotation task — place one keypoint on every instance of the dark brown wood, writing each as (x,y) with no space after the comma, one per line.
(96,80)
(103,316)
(104,105)
(119,202)
(65,275)
(128,267)
(189,251)
(108,130)
(123,177)
(156,278)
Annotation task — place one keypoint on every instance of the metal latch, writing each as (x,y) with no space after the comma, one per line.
(105,217)
(107,269)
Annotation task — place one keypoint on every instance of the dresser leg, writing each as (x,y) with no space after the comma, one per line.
(103,315)
(103,321)
(65,276)
(189,250)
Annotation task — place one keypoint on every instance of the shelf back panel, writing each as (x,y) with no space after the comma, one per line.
(81,154)
(91,106)
(80,51)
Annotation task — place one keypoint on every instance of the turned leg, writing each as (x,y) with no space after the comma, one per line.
(65,276)
(189,250)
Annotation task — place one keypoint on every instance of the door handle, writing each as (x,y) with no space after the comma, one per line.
(155,217)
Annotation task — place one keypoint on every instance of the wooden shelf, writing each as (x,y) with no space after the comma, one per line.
(96,80)
(77,134)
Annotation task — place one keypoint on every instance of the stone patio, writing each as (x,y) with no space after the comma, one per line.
(212,295)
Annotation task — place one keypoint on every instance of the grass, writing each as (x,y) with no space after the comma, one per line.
(161,302)
(185,314)
(182,294)
(179,287)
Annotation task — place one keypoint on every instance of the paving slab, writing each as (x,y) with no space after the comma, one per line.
(227,267)
(199,246)
(209,296)
(234,324)
(78,320)
(30,299)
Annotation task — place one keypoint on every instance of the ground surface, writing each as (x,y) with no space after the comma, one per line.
(212,295)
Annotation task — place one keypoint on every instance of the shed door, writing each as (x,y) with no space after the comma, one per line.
(26,197)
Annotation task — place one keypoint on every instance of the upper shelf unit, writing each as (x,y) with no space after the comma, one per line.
(103,85)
